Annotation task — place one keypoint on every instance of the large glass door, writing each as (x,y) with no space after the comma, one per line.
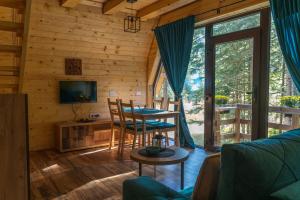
(233,91)
(234,59)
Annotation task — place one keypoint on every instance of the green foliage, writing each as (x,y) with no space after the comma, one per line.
(290,101)
(221,100)
(273,132)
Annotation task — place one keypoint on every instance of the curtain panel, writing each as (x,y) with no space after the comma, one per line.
(286,16)
(175,45)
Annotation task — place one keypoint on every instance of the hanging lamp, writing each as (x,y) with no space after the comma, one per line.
(132,23)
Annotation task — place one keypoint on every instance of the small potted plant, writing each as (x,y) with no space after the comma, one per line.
(291,102)
(221,100)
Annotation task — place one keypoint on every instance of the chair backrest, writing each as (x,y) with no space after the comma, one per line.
(159,103)
(207,182)
(127,108)
(174,103)
(114,110)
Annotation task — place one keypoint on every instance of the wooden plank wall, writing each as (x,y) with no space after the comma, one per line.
(14,170)
(115,59)
(6,38)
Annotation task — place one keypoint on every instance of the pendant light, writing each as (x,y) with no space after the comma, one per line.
(132,23)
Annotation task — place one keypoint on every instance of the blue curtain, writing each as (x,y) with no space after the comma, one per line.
(286,16)
(175,45)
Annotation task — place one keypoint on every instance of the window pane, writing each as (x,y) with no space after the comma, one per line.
(283,96)
(162,87)
(233,91)
(247,22)
(193,93)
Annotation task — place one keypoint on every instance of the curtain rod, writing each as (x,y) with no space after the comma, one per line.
(215,9)
(219,9)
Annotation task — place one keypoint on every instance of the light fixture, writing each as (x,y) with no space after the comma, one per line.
(132,23)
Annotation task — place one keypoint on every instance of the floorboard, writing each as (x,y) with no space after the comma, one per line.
(98,173)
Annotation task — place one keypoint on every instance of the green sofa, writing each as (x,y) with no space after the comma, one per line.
(267,169)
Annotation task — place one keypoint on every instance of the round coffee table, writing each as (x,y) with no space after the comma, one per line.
(180,156)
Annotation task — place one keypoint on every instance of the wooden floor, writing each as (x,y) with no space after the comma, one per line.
(98,174)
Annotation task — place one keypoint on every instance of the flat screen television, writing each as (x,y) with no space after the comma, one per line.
(78,92)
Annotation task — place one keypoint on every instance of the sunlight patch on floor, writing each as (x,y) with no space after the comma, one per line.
(96,151)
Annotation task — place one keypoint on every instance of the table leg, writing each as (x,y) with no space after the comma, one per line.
(182,176)
(120,141)
(177,131)
(140,169)
(144,133)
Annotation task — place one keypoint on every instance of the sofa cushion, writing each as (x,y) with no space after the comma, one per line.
(256,169)
(146,188)
(290,192)
(207,181)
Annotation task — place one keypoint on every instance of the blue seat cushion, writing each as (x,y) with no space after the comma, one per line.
(161,125)
(145,188)
(188,192)
(118,123)
(139,127)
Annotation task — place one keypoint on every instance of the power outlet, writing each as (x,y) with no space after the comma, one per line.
(94,115)
(138,93)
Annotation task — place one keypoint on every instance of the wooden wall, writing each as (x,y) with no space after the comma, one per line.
(115,59)
(6,38)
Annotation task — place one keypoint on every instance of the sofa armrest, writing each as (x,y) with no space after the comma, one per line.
(144,188)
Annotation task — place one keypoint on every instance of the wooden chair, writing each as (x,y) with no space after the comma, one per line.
(115,116)
(165,126)
(159,102)
(131,125)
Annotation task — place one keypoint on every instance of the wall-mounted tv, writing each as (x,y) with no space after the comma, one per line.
(78,92)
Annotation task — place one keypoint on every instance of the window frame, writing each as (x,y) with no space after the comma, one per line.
(262,92)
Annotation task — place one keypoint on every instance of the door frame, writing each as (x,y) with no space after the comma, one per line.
(261,44)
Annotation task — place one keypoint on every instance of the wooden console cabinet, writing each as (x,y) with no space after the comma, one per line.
(76,135)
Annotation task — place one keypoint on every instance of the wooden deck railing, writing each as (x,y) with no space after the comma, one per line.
(239,121)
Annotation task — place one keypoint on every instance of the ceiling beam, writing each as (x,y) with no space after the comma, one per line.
(208,8)
(154,7)
(113,6)
(70,3)
(18,4)
(91,3)
(161,7)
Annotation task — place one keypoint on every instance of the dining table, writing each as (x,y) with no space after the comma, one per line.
(145,114)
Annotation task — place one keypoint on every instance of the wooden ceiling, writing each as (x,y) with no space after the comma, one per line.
(170,10)
(146,9)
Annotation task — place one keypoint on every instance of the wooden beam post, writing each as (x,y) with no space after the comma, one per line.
(70,3)
(22,63)
(113,6)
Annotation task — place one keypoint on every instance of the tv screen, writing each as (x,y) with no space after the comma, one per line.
(78,92)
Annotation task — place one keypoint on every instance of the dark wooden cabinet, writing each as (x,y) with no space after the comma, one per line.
(14,167)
